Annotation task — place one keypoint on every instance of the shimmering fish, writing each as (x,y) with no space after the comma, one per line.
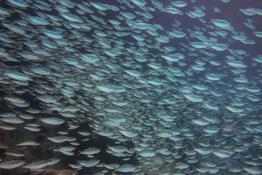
(131,86)
(11,164)
(41,164)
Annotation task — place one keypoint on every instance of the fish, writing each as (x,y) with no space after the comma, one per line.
(90,151)
(131,87)
(14,154)
(41,164)
(89,163)
(52,121)
(28,143)
(11,164)
(126,168)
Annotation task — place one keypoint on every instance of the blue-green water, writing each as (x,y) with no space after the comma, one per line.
(137,87)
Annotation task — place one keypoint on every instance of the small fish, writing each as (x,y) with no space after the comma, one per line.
(90,151)
(170,87)
(41,164)
(89,163)
(11,164)
(28,143)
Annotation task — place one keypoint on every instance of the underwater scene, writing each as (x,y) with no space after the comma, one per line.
(130,87)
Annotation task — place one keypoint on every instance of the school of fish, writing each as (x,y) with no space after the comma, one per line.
(179,79)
